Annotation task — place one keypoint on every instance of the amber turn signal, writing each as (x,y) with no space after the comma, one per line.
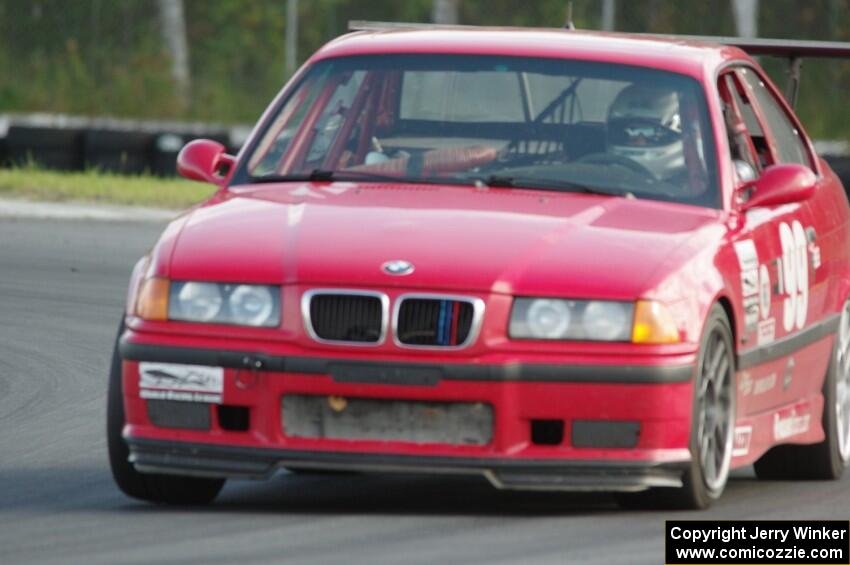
(653,324)
(152,303)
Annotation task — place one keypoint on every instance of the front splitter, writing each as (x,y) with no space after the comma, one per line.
(210,460)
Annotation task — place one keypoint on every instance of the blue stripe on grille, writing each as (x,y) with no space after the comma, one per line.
(444,323)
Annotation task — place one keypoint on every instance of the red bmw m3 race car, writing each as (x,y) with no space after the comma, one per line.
(558,259)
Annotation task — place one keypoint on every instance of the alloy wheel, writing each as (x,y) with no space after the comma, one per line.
(715,418)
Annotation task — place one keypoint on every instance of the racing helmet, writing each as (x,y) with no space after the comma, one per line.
(645,125)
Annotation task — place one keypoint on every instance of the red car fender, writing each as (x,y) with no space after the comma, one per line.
(692,280)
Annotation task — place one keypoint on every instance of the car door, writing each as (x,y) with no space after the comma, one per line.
(789,367)
(820,216)
(757,250)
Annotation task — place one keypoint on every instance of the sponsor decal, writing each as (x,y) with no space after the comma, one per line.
(751,312)
(764,384)
(741,442)
(814,252)
(791,425)
(188,383)
(755,284)
(306,190)
(792,273)
(747,256)
(789,374)
(748,385)
(749,282)
(335,189)
(180,396)
(814,248)
(764,292)
(749,263)
(745,386)
(766,331)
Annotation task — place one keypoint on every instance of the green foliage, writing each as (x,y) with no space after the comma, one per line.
(100,57)
(34,183)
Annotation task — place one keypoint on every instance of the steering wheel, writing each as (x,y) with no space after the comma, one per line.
(613,159)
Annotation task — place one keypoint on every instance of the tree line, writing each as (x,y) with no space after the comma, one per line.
(102,57)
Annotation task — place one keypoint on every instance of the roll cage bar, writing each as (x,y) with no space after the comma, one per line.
(792,50)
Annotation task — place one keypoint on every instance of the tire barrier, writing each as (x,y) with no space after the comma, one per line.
(72,143)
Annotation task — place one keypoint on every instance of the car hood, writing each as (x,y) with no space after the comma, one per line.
(460,238)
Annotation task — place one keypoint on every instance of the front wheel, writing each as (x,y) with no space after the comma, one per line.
(712,426)
(165,489)
(713,422)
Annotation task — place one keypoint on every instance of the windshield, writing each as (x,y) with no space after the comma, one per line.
(551,124)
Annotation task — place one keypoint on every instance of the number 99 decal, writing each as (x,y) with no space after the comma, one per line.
(795,275)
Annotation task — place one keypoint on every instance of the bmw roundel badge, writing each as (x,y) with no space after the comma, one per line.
(397,267)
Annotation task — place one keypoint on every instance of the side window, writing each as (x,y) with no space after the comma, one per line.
(333,115)
(741,137)
(787,139)
(751,119)
(276,141)
(746,109)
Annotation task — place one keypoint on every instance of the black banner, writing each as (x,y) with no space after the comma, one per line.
(760,542)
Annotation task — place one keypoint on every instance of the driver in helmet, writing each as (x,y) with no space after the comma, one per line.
(645,125)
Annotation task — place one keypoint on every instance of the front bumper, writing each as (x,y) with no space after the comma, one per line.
(652,398)
(205,460)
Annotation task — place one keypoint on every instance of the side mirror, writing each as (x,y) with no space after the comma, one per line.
(205,160)
(780,184)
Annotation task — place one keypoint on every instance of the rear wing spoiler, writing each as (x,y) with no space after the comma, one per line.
(793,50)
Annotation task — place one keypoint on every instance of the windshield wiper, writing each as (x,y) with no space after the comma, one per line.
(496,181)
(324,175)
(499,181)
(316,175)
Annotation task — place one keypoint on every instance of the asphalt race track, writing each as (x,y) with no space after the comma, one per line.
(62,286)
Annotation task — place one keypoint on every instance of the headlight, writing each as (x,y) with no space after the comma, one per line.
(549,318)
(244,304)
(607,321)
(251,305)
(195,301)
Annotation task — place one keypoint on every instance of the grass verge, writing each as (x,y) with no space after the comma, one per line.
(34,183)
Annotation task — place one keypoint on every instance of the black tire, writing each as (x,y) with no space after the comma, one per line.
(821,461)
(165,489)
(698,492)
